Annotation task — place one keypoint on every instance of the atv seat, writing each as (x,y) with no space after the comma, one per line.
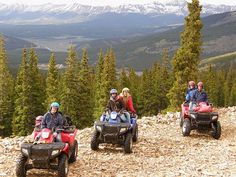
(69,129)
(67,121)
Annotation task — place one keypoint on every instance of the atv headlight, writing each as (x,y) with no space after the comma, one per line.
(214,118)
(55,152)
(193,116)
(25,151)
(99,128)
(122,130)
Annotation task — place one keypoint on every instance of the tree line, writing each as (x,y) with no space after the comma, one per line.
(83,90)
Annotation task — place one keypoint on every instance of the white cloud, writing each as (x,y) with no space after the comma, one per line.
(107,2)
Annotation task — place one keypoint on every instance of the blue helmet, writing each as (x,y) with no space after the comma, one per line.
(113,91)
(55,104)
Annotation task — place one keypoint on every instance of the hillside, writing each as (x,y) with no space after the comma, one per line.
(138,51)
(160,151)
(219,37)
(220,61)
(13,43)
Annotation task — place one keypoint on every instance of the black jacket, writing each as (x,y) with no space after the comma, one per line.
(199,96)
(117,105)
(51,121)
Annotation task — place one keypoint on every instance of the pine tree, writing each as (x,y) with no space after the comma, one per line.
(69,95)
(228,85)
(220,79)
(6,92)
(186,59)
(22,103)
(146,101)
(36,92)
(123,80)
(134,86)
(211,86)
(157,90)
(86,98)
(52,84)
(165,80)
(108,79)
(232,100)
(112,68)
(98,79)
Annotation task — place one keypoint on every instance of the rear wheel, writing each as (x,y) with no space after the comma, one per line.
(128,143)
(63,166)
(186,129)
(21,166)
(95,141)
(217,132)
(135,136)
(74,152)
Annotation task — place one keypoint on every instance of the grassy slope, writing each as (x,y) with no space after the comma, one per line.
(221,60)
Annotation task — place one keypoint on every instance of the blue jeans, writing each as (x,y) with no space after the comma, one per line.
(125,117)
(191,105)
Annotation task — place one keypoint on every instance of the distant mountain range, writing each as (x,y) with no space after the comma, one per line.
(138,36)
(74,13)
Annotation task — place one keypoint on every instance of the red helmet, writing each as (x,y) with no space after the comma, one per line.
(191,83)
(200,84)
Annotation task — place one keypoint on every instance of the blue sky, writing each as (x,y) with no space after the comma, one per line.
(108,2)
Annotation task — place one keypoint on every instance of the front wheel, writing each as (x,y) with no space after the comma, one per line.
(128,143)
(181,121)
(95,141)
(74,152)
(63,166)
(217,131)
(186,129)
(21,166)
(135,136)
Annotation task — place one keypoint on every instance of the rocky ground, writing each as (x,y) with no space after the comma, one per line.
(160,151)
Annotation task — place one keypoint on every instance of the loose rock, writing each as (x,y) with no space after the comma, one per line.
(160,151)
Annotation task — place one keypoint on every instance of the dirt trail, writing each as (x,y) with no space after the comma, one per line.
(160,151)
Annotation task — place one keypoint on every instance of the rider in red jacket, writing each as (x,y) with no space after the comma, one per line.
(127,100)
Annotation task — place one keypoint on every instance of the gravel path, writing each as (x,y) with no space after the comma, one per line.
(160,151)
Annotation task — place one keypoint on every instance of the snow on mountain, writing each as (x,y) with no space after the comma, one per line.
(75,12)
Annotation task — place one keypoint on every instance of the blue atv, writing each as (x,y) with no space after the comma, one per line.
(114,131)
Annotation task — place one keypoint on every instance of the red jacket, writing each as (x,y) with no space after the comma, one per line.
(129,105)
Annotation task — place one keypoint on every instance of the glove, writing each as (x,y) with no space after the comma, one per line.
(54,134)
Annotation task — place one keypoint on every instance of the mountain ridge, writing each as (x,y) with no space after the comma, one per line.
(75,12)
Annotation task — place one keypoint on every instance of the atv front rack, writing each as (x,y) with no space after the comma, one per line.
(204,118)
(40,154)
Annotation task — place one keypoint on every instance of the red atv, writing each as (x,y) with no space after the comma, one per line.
(47,152)
(201,118)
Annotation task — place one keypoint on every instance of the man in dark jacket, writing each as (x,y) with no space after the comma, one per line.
(118,105)
(198,96)
(52,118)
